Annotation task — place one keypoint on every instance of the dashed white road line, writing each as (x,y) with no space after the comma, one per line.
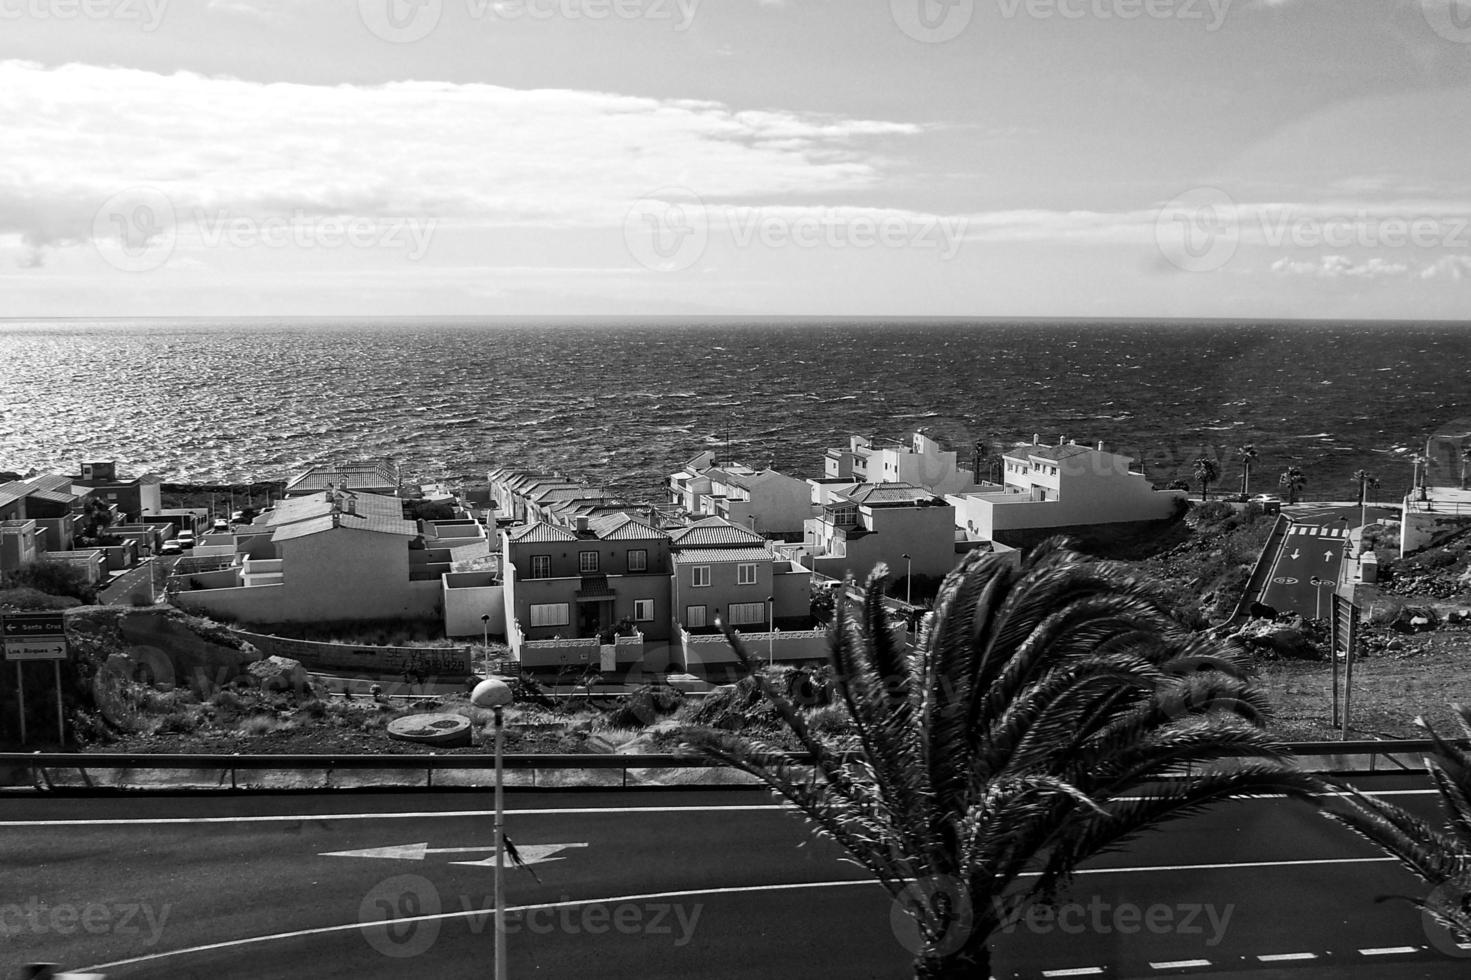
(1077,971)
(1181,964)
(1285,957)
(1390,950)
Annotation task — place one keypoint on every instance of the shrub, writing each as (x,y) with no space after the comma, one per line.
(53,578)
(830,720)
(258,725)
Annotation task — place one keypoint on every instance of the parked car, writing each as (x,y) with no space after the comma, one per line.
(171,548)
(220,525)
(185,540)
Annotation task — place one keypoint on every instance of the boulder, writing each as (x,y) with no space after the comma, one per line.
(1279,639)
(279,674)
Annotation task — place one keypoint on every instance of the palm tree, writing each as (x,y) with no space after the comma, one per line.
(1205,473)
(1440,858)
(1048,714)
(1292,481)
(1248,456)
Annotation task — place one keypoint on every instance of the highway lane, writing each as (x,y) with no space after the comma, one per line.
(1308,552)
(1313,548)
(232,869)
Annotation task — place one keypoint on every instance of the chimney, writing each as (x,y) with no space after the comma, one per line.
(352,505)
(582,525)
(1059,440)
(1072,442)
(1100,445)
(1036,439)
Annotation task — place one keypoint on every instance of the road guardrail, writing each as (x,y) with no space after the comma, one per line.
(550,770)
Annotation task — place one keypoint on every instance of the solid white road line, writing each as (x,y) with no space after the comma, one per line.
(464,914)
(1181,964)
(746,889)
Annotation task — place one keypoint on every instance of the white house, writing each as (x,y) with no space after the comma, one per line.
(920,462)
(1051,489)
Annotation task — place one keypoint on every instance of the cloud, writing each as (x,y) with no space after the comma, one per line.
(78,135)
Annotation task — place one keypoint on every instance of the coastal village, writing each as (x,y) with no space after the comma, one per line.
(568,574)
(570,577)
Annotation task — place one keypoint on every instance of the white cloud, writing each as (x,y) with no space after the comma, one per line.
(78,135)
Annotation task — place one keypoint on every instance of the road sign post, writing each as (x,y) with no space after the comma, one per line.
(29,637)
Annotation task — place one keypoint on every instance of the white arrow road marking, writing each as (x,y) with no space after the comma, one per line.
(1327,556)
(530,854)
(1296,554)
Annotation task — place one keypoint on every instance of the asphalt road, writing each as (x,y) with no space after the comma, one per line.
(1313,548)
(655,884)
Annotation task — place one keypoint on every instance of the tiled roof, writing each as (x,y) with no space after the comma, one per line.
(715,532)
(561,492)
(621,527)
(1058,452)
(887,493)
(714,556)
(595,587)
(364,475)
(541,533)
(356,522)
(316,505)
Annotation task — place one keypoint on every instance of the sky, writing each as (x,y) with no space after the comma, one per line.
(1049,158)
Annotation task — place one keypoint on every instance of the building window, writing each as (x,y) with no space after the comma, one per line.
(746,574)
(550,614)
(638,561)
(541,566)
(587,562)
(643,610)
(700,576)
(694,617)
(746,613)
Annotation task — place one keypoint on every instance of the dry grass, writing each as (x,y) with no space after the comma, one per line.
(1389,691)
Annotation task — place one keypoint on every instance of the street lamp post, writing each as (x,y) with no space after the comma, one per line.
(485,631)
(770,630)
(495,694)
(908,580)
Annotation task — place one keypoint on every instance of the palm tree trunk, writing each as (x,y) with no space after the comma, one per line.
(970,962)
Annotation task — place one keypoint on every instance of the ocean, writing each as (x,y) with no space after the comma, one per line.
(621,403)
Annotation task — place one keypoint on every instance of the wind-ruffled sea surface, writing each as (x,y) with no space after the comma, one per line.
(622,403)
